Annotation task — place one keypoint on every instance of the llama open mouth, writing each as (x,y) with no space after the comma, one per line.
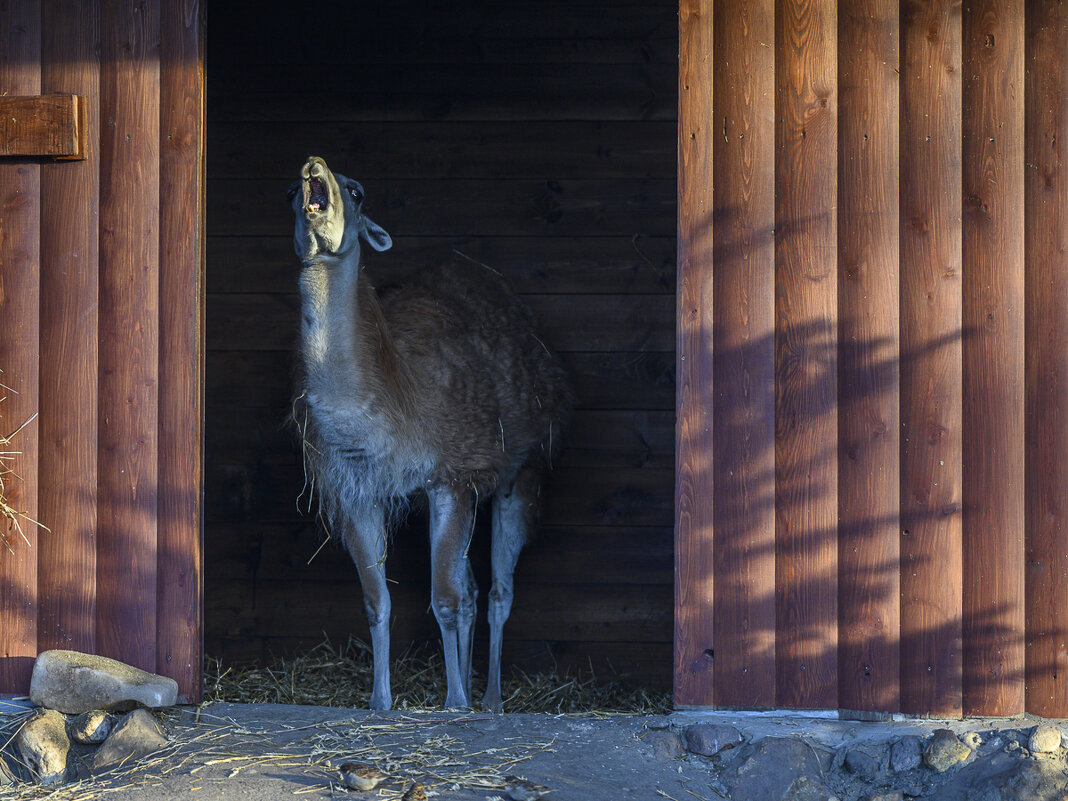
(317,195)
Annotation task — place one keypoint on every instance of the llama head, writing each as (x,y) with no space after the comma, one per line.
(329,214)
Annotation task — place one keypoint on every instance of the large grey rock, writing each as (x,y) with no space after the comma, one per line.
(44,746)
(73,682)
(708,739)
(666,745)
(136,735)
(90,728)
(1028,780)
(1045,739)
(777,769)
(944,750)
(906,754)
(861,763)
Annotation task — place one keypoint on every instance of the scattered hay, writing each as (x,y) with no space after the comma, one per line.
(10,516)
(342,675)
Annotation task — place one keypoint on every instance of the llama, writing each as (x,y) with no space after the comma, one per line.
(441,387)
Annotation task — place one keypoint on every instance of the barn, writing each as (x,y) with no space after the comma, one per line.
(805,263)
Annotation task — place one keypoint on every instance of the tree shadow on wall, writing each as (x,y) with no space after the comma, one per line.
(829,590)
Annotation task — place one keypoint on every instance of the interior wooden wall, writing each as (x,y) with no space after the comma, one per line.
(536,137)
(100,338)
(873,343)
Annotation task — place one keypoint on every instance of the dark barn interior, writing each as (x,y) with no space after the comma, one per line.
(538,138)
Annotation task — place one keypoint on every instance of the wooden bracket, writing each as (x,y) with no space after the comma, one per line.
(43,126)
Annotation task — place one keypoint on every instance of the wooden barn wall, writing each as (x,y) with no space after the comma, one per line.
(872,351)
(100,342)
(538,138)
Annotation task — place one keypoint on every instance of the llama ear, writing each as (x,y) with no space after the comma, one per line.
(375,235)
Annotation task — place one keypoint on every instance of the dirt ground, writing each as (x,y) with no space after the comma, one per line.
(236,752)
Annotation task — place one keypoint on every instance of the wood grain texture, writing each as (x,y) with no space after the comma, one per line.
(42,126)
(181,347)
(1046,203)
(930,359)
(806,312)
(129,340)
(694,566)
(868,358)
(69,346)
(20,73)
(743,407)
(993,316)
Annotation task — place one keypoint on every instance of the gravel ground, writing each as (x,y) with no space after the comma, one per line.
(239,752)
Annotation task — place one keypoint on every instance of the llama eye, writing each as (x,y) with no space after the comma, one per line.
(356,196)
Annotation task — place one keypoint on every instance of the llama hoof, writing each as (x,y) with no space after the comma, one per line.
(492,704)
(381,703)
(457,702)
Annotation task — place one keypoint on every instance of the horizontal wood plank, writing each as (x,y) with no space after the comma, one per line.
(587,613)
(602,380)
(569,323)
(427,151)
(532,264)
(278,93)
(551,207)
(340,34)
(595,438)
(571,496)
(294,551)
(42,125)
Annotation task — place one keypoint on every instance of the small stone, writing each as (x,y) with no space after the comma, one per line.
(1045,739)
(657,722)
(972,739)
(906,754)
(666,745)
(90,728)
(708,739)
(43,743)
(893,795)
(136,735)
(73,682)
(944,750)
(861,763)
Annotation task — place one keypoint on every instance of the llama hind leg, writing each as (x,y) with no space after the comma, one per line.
(514,510)
(452,587)
(366,542)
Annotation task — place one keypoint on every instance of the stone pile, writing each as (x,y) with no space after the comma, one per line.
(92,717)
(1008,765)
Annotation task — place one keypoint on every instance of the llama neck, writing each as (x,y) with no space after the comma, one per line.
(345,345)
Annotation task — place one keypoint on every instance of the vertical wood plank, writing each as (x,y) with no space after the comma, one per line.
(868,373)
(993,314)
(930,358)
(693,481)
(743,298)
(806,311)
(129,313)
(20,73)
(181,346)
(1046,204)
(69,302)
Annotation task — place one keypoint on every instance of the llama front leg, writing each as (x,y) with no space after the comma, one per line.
(452,588)
(514,510)
(366,542)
